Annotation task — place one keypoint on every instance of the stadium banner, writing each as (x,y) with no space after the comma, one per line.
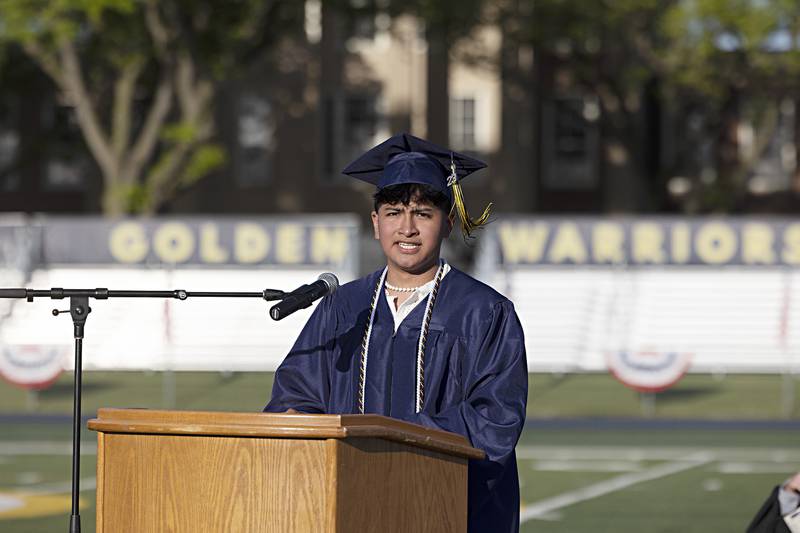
(164,253)
(646,299)
(20,244)
(285,241)
(634,241)
(650,298)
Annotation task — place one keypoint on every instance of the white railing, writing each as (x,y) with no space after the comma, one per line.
(153,334)
(730,319)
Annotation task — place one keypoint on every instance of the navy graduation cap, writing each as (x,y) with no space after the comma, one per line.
(404,158)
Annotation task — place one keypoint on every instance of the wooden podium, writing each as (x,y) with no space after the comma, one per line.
(182,471)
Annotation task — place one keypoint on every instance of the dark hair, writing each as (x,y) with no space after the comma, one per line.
(405,193)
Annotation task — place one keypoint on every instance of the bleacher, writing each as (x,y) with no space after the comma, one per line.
(155,334)
(728,319)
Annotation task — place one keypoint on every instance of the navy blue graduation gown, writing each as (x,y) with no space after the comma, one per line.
(476,380)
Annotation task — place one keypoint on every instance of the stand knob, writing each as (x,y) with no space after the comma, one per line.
(79,311)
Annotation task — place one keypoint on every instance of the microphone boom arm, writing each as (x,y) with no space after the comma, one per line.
(79,310)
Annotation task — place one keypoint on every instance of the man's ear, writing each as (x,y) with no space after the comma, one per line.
(375,225)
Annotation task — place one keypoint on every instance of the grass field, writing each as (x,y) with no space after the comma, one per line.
(594,456)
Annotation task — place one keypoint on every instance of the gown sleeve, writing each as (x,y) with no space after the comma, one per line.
(302,380)
(492,413)
(768,519)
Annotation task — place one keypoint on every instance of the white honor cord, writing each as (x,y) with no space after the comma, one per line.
(423,336)
(426,319)
(362,381)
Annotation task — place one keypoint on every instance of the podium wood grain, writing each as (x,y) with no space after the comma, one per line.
(164,471)
(400,488)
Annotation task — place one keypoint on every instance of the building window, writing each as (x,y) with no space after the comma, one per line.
(9,143)
(353,124)
(361,19)
(66,166)
(462,124)
(570,143)
(9,174)
(255,138)
(361,123)
(65,173)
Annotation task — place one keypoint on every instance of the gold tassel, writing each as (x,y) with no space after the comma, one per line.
(468,224)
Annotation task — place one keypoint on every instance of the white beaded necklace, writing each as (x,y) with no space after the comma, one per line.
(426,321)
(402,289)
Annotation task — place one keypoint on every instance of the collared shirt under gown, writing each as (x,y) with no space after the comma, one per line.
(476,380)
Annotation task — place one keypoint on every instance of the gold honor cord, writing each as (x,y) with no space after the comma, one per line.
(468,224)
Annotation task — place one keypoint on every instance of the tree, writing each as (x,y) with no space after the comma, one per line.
(603,51)
(141,76)
(705,63)
(741,59)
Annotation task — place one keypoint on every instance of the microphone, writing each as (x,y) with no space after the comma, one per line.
(305,295)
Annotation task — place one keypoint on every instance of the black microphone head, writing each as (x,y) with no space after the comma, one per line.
(303,296)
(330,280)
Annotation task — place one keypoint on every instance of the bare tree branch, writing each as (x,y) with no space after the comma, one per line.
(75,91)
(182,43)
(163,177)
(123,102)
(193,94)
(46,61)
(148,137)
(158,31)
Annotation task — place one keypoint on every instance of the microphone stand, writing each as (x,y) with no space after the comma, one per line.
(79,310)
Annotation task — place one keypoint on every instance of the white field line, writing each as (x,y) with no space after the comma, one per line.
(580,465)
(546,506)
(656,453)
(756,468)
(57,487)
(8,503)
(595,465)
(39,447)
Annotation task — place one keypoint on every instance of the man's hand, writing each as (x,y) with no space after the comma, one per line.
(291,411)
(793,484)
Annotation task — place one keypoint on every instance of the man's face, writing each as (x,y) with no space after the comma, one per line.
(411,235)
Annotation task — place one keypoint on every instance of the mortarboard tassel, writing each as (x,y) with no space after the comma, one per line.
(468,224)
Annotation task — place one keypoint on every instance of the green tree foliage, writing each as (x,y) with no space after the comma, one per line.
(713,61)
(716,45)
(741,58)
(141,76)
(605,50)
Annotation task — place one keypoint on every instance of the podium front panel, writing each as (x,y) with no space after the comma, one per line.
(393,487)
(172,471)
(154,483)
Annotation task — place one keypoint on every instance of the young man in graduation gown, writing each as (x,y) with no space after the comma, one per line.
(419,340)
